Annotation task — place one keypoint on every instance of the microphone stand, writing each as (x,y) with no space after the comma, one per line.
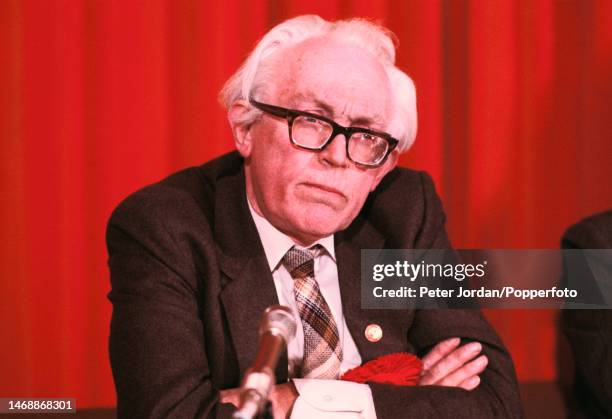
(277,327)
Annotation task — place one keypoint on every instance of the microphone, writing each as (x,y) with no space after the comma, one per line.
(276,329)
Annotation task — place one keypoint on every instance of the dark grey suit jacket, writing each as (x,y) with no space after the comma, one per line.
(190,281)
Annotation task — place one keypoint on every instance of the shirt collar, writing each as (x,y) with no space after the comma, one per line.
(276,244)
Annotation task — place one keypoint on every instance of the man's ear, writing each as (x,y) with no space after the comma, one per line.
(389,164)
(236,115)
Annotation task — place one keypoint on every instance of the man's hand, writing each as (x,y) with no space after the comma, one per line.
(282,397)
(449,365)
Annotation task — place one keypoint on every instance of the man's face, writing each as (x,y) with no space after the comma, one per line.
(308,194)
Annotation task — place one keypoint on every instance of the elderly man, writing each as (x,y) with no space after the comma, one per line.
(319,114)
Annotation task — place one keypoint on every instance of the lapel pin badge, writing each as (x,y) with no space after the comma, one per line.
(373,332)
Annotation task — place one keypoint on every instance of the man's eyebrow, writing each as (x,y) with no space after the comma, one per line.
(328,110)
(312,99)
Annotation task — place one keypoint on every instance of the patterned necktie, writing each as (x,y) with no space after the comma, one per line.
(322,350)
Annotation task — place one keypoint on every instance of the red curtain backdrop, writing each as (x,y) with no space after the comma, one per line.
(99,98)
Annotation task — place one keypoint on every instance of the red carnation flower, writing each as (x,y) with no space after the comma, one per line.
(400,369)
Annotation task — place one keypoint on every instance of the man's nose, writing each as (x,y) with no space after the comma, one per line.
(335,152)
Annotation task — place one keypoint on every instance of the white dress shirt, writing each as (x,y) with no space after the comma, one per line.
(318,398)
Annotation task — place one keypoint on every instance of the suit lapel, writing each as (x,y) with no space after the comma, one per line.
(249,288)
(348,250)
(394,323)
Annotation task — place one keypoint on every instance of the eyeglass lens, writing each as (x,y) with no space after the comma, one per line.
(363,148)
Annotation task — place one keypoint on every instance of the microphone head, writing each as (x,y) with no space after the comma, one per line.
(278,320)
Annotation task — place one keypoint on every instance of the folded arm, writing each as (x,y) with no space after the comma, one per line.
(496,393)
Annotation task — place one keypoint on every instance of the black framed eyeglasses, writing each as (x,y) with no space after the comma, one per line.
(315,132)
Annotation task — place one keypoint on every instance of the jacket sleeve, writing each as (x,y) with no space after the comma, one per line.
(497,396)
(157,347)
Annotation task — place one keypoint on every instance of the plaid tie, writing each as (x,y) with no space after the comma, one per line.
(322,350)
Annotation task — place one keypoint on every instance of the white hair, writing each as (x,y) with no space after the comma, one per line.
(258,69)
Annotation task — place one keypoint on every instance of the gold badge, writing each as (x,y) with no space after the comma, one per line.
(373,332)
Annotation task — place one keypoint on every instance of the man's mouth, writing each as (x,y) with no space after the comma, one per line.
(333,193)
